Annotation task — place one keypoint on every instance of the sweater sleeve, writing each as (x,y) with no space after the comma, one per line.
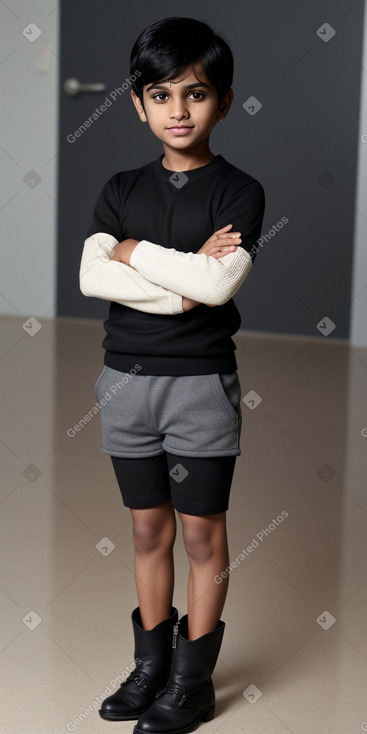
(100,277)
(110,280)
(212,281)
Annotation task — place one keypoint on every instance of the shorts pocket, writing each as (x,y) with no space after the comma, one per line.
(228,391)
(100,378)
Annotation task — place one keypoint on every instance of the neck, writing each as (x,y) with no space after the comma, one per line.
(177,160)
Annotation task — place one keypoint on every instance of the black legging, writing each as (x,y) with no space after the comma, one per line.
(196,486)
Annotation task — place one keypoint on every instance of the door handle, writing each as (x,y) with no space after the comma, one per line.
(74,86)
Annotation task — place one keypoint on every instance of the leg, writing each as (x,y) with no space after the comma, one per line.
(145,489)
(206,546)
(154,532)
(201,499)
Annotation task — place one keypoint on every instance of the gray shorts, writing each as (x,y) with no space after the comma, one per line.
(188,415)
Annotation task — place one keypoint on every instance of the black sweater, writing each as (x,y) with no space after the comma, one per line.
(143,203)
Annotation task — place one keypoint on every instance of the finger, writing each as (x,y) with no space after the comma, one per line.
(223,228)
(229,235)
(224,251)
(226,238)
(227,242)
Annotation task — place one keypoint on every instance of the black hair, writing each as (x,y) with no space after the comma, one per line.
(166,48)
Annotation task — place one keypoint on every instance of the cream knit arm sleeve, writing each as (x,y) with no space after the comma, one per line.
(201,277)
(110,280)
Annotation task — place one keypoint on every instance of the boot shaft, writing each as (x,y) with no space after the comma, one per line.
(154,647)
(194,660)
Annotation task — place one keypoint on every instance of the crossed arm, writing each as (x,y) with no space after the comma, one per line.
(156,279)
(101,277)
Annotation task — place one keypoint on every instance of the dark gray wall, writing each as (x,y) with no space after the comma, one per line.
(301,145)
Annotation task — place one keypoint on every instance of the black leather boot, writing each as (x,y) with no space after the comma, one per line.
(154,650)
(188,697)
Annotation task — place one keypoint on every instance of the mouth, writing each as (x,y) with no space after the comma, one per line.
(180,129)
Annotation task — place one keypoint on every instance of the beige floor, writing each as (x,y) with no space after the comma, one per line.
(304,452)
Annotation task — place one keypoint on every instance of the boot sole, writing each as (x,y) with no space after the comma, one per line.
(122,717)
(207,715)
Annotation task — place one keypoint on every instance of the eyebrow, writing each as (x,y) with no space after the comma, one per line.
(188,86)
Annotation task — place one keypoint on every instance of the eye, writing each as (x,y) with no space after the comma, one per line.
(199,93)
(160,94)
(163,94)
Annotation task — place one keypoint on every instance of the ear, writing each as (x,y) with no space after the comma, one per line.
(226,102)
(138,106)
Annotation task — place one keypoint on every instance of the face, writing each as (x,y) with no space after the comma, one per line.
(182,112)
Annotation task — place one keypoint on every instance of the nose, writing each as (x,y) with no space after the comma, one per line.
(178,110)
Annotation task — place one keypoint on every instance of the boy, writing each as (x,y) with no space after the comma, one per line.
(172,426)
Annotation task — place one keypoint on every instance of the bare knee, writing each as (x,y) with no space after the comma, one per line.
(154,529)
(202,537)
(199,550)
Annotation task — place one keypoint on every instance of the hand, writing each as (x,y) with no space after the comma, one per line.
(123,251)
(189,303)
(221,243)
